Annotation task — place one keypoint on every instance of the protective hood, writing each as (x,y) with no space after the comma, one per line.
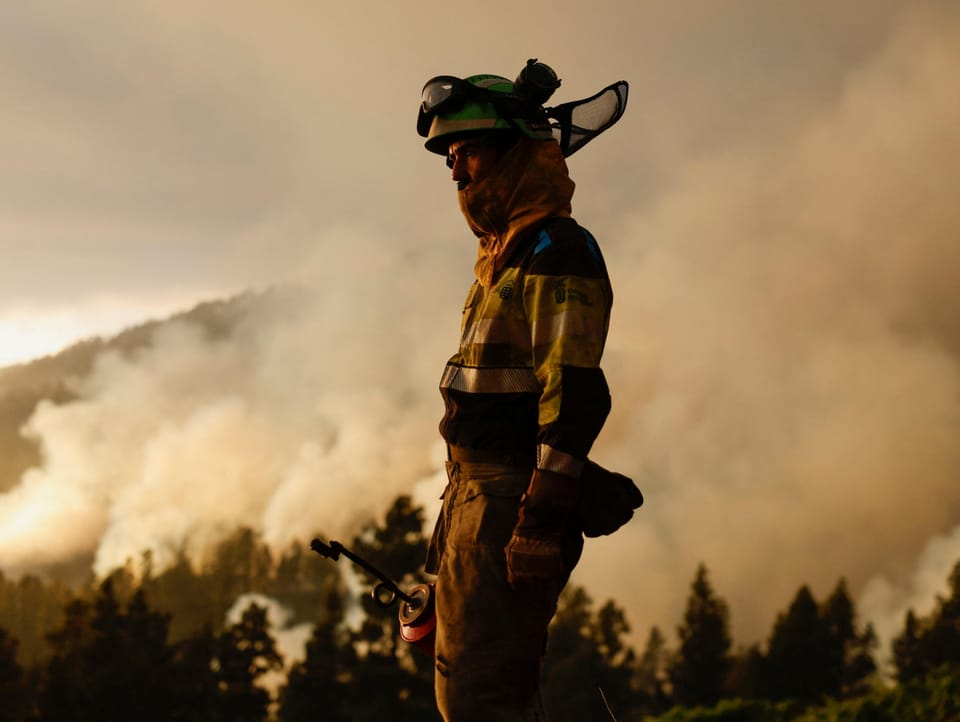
(529,184)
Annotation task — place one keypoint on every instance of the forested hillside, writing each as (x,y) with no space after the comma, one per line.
(199,641)
(51,378)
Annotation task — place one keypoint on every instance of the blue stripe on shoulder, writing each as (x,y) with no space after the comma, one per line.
(544,241)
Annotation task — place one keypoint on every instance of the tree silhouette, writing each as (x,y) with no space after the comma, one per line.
(31,609)
(245,652)
(818,651)
(397,545)
(651,674)
(109,663)
(14,698)
(586,655)
(183,592)
(110,657)
(941,643)
(927,643)
(907,650)
(796,662)
(699,670)
(194,676)
(318,687)
(745,680)
(617,675)
(242,564)
(849,651)
(65,689)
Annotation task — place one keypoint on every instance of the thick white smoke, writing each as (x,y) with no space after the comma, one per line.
(312,415)
(784,353)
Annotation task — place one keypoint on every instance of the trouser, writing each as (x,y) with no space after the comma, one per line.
(490,637)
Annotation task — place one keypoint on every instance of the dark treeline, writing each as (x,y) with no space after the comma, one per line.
(157,645)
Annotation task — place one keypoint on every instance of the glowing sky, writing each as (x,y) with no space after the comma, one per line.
(156,152)
(777,208)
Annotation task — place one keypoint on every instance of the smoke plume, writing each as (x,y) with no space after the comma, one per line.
(785,352)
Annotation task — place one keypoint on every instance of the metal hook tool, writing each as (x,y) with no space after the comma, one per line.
(385,594)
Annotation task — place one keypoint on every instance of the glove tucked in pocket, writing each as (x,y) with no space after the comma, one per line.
(608,500)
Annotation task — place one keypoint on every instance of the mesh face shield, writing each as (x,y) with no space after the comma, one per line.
(578,122)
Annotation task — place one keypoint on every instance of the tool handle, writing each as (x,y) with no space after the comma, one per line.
(385,594)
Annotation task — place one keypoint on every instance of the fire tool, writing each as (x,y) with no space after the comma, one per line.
(418,620)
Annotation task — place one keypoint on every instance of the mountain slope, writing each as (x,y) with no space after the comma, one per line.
(52,378)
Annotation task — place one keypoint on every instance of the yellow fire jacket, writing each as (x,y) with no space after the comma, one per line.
(526,379)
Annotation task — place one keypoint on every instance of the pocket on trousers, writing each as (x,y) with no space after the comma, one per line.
(489,510)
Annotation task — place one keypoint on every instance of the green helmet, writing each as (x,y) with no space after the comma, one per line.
(452,108)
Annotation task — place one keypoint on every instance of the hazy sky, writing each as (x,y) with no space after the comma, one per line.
(777,207)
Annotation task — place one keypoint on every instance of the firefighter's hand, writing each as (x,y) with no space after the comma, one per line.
(535,552)
(531,560)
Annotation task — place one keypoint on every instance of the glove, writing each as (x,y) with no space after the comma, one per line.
(608,500)
(535,551)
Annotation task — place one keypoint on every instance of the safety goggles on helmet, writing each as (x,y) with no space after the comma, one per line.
(451,106)
(447,94)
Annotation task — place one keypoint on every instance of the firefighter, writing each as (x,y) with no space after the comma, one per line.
(524,394)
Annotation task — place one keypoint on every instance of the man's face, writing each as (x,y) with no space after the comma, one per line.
(472,159)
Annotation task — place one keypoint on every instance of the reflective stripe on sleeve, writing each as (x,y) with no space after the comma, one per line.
(550,459)
(489,380)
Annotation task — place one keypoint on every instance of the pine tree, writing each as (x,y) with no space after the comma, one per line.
(848,651)
(797,653)
(245,652)
(110,663)
(588,662)
(318,687)
(927,643)
(31,608)
(941,642)
(14,699)
(699,670)
(746,674)
(572,661)
(651,675)
(185,594)
(65,692)
(619,661)
(397,545)
(242,564)
(907,652)
(195,678)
